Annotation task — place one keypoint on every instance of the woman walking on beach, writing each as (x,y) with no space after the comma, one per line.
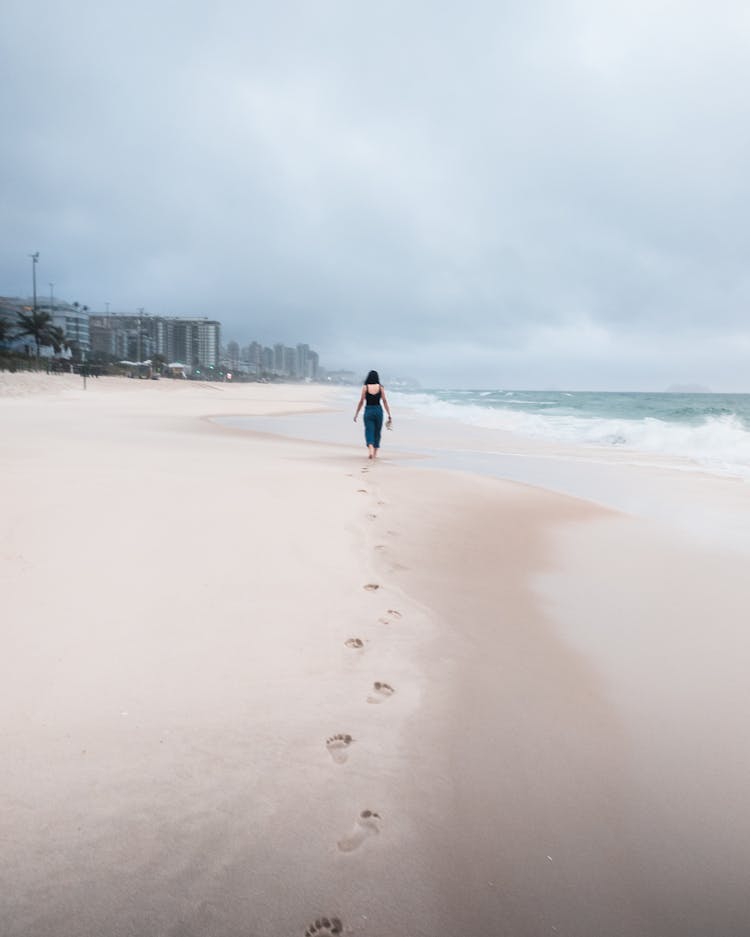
(372,396)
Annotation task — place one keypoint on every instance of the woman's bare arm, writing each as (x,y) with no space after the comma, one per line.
(385,402)
(359,405)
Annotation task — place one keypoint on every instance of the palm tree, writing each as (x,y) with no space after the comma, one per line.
(36,325)
(4,330)
(58,339)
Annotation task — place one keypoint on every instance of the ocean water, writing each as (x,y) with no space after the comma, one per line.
(711,431)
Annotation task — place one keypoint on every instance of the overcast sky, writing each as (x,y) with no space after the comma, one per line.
(502,194)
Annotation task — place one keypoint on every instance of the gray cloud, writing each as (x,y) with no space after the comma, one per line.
(532,194)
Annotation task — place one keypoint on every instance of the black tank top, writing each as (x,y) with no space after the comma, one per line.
(372,400)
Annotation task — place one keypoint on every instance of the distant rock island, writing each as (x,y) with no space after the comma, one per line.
(688,389)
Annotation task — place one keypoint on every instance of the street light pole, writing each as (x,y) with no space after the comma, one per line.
(140,314)
(34,262)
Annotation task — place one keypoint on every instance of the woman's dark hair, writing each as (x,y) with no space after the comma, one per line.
(372,378)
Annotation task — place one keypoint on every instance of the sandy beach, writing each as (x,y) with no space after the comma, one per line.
(254,685)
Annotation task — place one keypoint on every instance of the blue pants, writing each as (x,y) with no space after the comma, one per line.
(373,425)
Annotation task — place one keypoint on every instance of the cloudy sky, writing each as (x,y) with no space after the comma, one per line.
(508,194)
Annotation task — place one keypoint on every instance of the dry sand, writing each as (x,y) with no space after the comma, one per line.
(186,621)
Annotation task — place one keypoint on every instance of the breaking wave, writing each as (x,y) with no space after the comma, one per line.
(710,430)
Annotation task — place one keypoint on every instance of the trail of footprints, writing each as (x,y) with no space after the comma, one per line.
(368,822)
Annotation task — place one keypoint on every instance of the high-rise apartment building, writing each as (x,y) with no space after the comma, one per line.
(307,362)
(196,342)
(253,355)
(190,341)
(290,362)
(130,337)
(301,363)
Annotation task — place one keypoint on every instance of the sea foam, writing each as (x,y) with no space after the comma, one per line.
(711,436)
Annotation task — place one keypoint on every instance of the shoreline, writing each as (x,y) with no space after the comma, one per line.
(706,508)
(168,694)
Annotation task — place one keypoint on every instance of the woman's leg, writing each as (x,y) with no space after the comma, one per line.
(378,429)
(370,431)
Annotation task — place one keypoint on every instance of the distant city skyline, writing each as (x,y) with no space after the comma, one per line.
(51,301)
(138,336)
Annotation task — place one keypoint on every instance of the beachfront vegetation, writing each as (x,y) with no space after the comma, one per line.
(39,326)
(58,339)
(36,325)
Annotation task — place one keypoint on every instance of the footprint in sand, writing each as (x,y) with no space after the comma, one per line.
(324,926)
(361,491)
(394,613)
(371,586)
(389,618)
(372,517)
(337,746)
(354,642)
(366,825)
(382,691)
